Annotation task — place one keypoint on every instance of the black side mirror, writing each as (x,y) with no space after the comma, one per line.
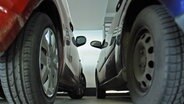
(80,40)
(96,44)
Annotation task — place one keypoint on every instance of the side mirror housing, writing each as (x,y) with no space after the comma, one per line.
(80,40)
(96,44)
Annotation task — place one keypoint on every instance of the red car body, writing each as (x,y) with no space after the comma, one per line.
(13,15)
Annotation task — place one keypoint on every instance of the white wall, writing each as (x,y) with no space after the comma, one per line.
(88,54)
(88,14)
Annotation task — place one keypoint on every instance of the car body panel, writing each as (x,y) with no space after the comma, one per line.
(72,67)
(13,14)
(111,39)
(107,71)
(176,7)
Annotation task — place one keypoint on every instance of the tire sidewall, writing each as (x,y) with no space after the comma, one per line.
(83,83)
(150,20)
(76,94)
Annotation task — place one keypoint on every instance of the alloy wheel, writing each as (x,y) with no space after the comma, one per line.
(48,62)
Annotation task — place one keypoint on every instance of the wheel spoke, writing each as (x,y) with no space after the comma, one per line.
(51,80)
(54,73)
(147,83)
(53,49)
(49,91)
(51,40)
(45,43)
(54,65)
(46,85)
(54,53)
(44,74)
(43,58)
(47,35)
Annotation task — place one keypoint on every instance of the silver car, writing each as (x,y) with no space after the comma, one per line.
(143,52)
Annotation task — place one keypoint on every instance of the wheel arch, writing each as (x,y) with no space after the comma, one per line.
(49,7)
(135,7)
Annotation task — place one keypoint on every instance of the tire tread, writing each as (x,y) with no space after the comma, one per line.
(174,39)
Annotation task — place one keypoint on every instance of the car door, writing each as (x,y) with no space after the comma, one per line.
(102,55)
(72,53)
(108,46)
(101,61)
(74,57)
(121,10)
(114,31)
(106,72)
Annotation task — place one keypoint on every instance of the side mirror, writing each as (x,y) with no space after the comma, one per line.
(80,40)
(96,44)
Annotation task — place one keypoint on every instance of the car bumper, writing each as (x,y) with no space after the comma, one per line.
(10,21)
(9,27)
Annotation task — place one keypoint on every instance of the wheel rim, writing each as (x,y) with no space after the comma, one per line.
(143,61)
(48,62)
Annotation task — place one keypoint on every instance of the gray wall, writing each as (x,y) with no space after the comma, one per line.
(89,55)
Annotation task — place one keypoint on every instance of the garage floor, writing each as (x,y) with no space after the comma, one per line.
(90,100)
(93,100)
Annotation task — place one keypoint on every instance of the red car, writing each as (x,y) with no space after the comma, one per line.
(37,48)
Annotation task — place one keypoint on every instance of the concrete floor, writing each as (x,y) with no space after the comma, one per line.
(89,100)
(93,100)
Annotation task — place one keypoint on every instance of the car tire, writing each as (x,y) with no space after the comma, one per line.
(1,92)
(100,92)
(155,58)
(80,91)
(29,68)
